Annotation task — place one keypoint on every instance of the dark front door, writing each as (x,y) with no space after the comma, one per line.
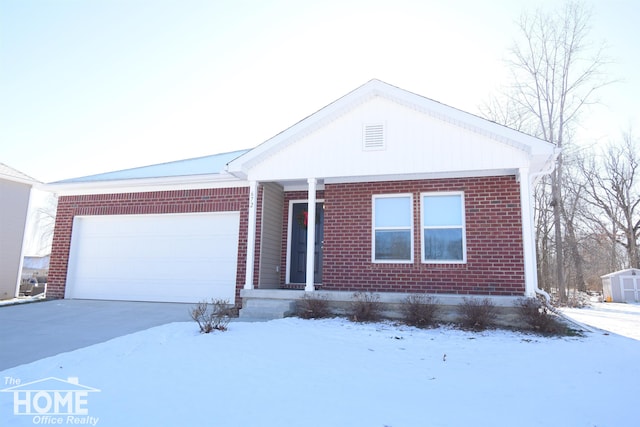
(298,255)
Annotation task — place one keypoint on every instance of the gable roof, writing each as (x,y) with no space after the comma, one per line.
(10,174)
(376,88)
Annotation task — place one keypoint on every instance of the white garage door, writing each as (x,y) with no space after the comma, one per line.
(171,257)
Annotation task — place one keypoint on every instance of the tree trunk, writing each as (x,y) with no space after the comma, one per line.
(632,250)
(576,258)
(556,192)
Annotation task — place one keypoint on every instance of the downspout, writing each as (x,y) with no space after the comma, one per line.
(551,165)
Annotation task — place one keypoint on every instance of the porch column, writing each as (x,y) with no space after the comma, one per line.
(251,234)
(311,234)
(528,234)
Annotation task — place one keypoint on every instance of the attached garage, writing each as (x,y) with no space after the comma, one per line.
(157,257)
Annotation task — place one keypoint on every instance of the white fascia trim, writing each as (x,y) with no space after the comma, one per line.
(298,186)
(145,185)
(419,176)
(547,168)
(18,180)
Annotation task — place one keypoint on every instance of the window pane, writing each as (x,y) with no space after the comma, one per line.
(442,210)
(393,212)
(393,245)
(443,244)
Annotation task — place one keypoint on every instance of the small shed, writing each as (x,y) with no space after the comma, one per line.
(622,286)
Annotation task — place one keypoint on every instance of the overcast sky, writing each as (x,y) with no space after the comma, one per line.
(102,85)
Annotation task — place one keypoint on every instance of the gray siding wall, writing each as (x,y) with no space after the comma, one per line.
(271,232)
(14,203)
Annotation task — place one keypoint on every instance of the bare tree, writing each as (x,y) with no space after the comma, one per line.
(613,190)
(572,210)
(555,74)
(507,112)
(44,220)
(600,256)
(543,220)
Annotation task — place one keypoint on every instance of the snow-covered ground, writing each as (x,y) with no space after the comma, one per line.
(23,300)
(622,319)
(295,372)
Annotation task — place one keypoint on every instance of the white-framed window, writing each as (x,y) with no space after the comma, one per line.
(392,233)
(443,228)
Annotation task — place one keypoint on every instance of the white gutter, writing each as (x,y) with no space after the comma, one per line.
(184,182)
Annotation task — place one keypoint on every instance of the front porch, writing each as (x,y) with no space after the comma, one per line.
(285,235)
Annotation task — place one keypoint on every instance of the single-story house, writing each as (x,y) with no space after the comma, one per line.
(622,286)
(15,196)
(382,191)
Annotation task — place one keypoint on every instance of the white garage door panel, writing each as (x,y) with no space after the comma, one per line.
(177,258)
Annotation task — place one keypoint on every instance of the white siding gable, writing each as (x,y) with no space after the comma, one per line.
(414,142)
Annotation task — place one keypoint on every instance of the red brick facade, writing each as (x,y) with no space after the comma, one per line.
(158,202)
(494,264)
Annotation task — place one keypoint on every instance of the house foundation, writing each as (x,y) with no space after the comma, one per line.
(269,304)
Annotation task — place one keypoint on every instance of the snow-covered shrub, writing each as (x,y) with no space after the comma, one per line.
(313,306)
(574,300)
(477,314)
(539,317)
(365,307)
(419,310)
(579,300)
(212,316)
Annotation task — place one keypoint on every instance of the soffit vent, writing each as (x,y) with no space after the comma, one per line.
(374,137)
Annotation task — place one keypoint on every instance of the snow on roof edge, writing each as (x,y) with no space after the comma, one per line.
(11,174)
(204,165)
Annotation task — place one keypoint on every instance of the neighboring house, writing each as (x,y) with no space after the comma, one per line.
(383,190)
(15,194)
(622,286)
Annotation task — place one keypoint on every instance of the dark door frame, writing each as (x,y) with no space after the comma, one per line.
(294,227)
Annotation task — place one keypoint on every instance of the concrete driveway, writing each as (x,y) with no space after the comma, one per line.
(29,332)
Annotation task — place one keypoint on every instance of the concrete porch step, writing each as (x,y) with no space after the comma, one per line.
(266,308)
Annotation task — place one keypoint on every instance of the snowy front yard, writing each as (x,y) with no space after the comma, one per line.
(295,372)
